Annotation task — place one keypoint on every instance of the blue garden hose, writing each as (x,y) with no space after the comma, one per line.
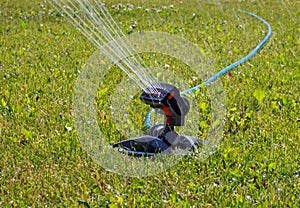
(226,69)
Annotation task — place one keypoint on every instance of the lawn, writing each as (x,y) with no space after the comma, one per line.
(256,163)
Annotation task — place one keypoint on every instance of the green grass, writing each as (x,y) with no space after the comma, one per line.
(257,161)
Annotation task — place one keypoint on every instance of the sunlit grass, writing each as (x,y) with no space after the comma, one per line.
(257,162)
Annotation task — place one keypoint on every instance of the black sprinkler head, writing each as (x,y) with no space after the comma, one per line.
(167,98)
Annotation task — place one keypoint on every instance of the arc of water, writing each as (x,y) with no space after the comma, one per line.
(98,26)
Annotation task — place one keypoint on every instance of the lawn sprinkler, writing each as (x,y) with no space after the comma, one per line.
(95,22)
(162,138)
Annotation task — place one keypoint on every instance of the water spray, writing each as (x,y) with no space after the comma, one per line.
(97,25)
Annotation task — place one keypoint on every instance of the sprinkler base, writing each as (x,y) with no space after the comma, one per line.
(151,145)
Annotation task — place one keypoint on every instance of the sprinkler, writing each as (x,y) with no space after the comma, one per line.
(167,100)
